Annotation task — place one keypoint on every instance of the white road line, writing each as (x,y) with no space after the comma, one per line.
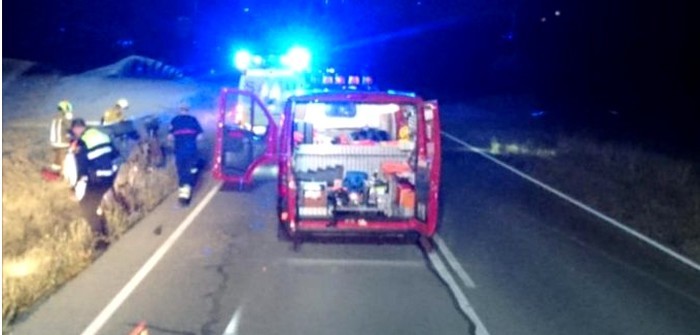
(464,305)
(232,327)
(453,262)
(134,282)
(579,204)
(351,262)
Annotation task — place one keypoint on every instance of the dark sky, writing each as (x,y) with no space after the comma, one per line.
(633,55)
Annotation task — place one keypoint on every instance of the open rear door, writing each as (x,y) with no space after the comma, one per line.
(428,168)
(246,137)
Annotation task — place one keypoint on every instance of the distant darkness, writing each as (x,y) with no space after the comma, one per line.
(634,56)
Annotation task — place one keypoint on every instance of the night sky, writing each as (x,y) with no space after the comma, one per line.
(634,56)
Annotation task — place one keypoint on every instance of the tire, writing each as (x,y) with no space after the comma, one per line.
(282,233)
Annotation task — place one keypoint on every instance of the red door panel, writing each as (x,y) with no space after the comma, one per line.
(246,137)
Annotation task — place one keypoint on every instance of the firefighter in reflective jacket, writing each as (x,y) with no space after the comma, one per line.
(59,136)
(115,114)
(185,130)
(94,156)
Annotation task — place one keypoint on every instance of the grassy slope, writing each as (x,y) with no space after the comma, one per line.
(45,241)
(650,191)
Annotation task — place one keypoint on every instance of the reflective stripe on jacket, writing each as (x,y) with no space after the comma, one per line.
(97,143)
(107,172)
(58,135)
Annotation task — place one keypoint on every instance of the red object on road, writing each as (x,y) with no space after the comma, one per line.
(140,329)
(50,175)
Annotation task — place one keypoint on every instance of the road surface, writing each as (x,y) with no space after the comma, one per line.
(539,264)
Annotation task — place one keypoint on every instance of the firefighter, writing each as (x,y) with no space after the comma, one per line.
(185,131)
(115,114)
(94,157)
(59,134)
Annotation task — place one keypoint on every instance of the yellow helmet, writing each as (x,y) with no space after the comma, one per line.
(404,133)
(123,103)
(65,106)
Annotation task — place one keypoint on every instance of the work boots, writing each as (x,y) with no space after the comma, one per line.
(184,195)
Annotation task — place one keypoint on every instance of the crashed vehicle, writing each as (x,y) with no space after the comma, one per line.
(124,136)
(349,161)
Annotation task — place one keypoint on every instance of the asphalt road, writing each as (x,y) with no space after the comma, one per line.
(540,265)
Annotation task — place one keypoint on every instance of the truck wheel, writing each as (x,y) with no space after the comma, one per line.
(282,233)
(426,243)
(296,243)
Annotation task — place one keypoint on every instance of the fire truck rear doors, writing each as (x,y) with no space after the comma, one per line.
(428,167)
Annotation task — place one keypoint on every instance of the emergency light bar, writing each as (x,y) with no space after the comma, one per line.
(296,59)
(242,60)
(351,81)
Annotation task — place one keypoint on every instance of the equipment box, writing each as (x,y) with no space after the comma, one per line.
(406,197)
(313,194)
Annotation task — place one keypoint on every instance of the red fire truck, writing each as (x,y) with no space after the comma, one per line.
(350,160)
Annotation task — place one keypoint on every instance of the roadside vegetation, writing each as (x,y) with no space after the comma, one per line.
(652,191)
(46,242)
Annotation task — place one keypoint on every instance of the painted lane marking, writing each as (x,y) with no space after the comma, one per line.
(579,204)
(134,282)
(232,327)
(464,306)
(453,262)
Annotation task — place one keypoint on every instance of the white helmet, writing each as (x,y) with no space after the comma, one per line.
(123,103)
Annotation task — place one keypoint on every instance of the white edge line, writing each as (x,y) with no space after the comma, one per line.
(453,262)
(457,292)
(232,327)
(580,204)
(134,282)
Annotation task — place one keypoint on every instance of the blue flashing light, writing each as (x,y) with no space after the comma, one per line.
(242,59)
(395,92)
(297,58)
